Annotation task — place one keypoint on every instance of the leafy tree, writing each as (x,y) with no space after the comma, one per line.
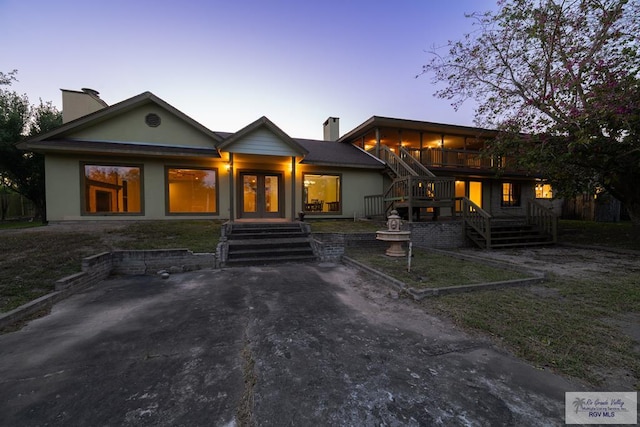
(23,171)
(561,78)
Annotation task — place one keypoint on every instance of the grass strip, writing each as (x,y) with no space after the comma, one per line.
(431,270)
(564,324)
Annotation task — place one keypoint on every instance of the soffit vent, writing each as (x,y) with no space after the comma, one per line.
(152,120)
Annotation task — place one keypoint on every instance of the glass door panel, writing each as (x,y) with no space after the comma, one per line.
(250,193)
(271,185)
(260,195)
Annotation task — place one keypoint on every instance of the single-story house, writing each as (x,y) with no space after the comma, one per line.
(144,159)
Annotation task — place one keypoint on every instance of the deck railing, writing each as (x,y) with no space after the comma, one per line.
(542,218)
(421,188)
(374,206)
(467,159)
(478,219)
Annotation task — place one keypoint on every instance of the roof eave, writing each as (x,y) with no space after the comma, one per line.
(121,149)
(379,121)
(338,164)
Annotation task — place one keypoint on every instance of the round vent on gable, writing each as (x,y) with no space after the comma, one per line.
(152,120)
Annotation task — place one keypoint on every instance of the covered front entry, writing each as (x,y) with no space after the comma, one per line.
(261,194)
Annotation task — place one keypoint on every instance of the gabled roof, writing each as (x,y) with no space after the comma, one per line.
(117,109)
(333,153)
(263,122)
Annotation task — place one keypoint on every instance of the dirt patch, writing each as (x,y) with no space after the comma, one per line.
(578,263)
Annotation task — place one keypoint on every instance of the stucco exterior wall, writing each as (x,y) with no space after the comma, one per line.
(131,127)
(356,183)
(62,181)
(65,191)
(64,187)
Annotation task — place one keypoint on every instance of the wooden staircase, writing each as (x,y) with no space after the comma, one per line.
(538,228)
(414,187)
(510,234)
(266,243)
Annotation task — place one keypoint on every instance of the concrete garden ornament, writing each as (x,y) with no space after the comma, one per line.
(394,235)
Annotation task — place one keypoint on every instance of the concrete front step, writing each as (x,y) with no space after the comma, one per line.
(265,243)
(272,252)
(259,260)
(273,242)
(266,235)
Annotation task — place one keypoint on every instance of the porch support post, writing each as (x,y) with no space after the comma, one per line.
(399,140)
(421,143)
(231,191)
(410,184)
(378,142)
(293,188)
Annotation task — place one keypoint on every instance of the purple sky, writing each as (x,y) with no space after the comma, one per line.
(226,63)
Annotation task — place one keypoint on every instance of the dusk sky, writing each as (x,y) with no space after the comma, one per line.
(227,63)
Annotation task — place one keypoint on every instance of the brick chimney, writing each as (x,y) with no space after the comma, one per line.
(76,104)
(331,129)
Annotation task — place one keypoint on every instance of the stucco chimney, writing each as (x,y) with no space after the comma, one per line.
(331,129)
(76,104)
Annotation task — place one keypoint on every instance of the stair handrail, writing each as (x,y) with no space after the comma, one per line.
(543,218)
(414,163)
(477,218)
(399,166)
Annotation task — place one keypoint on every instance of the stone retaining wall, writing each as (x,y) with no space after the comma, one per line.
(98,267)
(429,235)
(331,246)
(437,235)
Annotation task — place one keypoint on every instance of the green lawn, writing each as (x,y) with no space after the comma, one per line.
(6,225)
(432,270)
(34,259)
(565,325)
(613,234)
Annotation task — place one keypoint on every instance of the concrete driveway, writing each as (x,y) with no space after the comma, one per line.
(295,344)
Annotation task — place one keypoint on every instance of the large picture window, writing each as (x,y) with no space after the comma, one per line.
(322,193)
(510,194)
(192,190)
(112,189)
